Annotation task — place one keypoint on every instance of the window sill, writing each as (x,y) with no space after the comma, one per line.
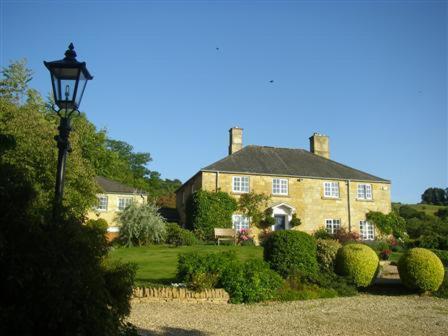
(239,192)
(281,195)
(364,200)
(331,198)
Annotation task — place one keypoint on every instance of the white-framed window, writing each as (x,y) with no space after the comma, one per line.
(240,222)
(102,203)
(240,184)
(331,189)
(365,191)
(366,230)
(279,186)
(332,225)
(123,202)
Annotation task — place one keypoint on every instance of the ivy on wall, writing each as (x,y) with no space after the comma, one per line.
(207,210)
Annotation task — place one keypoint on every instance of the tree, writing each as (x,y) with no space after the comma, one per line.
(14,85)
(253,205)
(436,196)
(141,224)
(54,277)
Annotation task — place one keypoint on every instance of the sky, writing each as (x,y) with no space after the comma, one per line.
(171,77)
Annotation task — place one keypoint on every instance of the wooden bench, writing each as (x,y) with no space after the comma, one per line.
(225,234)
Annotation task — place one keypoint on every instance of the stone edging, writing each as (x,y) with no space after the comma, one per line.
(166,294)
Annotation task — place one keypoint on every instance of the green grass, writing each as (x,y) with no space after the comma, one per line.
(429,209)
(395,256)
(157,264)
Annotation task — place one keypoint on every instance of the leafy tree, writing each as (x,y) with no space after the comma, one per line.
(14,85)
(253,205)
(54,279)
(141,224)
(436,196)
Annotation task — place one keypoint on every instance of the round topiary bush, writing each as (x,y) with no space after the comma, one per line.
(291,251)
(359,262)
(421,269)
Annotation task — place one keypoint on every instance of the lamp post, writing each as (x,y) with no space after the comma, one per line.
(69,79)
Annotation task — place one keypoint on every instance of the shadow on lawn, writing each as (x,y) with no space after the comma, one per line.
(168,331)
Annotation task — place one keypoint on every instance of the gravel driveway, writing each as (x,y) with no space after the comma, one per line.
(365,314)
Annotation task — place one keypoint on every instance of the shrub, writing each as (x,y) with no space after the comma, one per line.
(208,210)
(327,250)
(443,256)
(442,292)
(141,225)
(244,238)
(294,221)
(387,224)
(421,269)
(202,271)
(322,233)
(344,236)
(289,251)
(342,285)
(359,262)
(385,254)
(99,224)
(250,281)
(177,236)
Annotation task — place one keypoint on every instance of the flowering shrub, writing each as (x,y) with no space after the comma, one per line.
(385,254)
(244,238)
(344,236)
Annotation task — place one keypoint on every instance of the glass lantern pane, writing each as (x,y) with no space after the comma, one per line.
(81,87)
(67,89)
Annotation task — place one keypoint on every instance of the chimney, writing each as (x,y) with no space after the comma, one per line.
(236,139)
(319,145)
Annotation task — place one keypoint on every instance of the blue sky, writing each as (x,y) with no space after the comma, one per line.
(370,74)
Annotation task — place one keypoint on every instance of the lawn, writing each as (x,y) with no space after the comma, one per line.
(157,264)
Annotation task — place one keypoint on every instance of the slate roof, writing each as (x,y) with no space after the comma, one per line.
(265,160)
(110,186)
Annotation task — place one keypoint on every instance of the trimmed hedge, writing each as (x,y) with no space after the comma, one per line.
(251,281)
(359,262)
(177,236)
(421,269)
(443,256)
(288,252)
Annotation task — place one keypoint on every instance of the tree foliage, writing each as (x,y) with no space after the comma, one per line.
(141,224)
(208,210)
(54,279)
(253,205)
(25,117)
(436,196)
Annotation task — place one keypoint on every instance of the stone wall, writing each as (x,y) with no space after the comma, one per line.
(306,197)
(166,294)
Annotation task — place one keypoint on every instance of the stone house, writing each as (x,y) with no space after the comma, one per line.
(321,192)
(114,198)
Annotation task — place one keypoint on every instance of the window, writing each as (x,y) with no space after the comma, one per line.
(102,203)
(240,222)
(365,191)
(123,203)
(367,230)
(332,225)
(331,189)
(240,184)
(280,186)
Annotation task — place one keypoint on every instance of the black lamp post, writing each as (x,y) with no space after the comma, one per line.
(69,79)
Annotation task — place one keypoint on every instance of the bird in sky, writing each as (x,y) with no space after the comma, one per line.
(217,49)
(271,81)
